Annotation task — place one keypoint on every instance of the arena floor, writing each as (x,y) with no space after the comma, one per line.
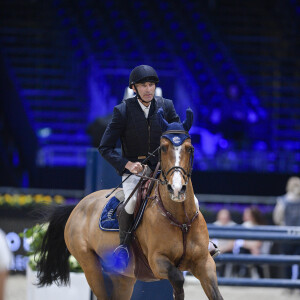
(16,290)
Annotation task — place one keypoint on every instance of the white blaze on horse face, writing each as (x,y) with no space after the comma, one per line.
(177,178)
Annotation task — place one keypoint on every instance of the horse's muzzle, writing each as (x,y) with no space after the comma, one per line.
(177,195)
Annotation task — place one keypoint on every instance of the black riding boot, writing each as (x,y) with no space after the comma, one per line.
(121,253)
(125,223)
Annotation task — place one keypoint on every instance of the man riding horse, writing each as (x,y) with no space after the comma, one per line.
(135,123)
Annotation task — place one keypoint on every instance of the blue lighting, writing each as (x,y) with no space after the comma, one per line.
(225,66)
(196,16)
(174,25)
(169,16)
(218,56)
(223,144)
(123,34)
(203,77)
(153,34)
(206,36)
(198,66)
(75,42)
(102,43)
(88,12)
(163,5)
(185,46)
(79,53)
(114,14)
(61,12)
(66,21)
(92,23)
(96,34)
(212,46)
(134,54)
(143,14)
(160,43)
(147,25)
(201,26)
(119,24)
(180,35)
(191,55)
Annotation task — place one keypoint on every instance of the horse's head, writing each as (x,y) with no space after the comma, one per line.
(176,155)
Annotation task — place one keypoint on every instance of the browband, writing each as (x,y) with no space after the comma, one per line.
(176,132)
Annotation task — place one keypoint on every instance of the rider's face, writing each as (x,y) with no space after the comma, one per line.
(146,90)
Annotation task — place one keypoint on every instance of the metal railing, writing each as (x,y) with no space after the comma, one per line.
(263,233)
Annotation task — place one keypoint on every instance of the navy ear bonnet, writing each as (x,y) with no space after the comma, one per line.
(176,133)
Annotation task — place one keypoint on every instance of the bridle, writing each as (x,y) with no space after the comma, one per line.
(186,174)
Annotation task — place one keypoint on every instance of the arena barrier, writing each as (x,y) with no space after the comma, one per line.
(263,233)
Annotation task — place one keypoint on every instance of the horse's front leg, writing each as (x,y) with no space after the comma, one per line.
(205,271)
(163,268)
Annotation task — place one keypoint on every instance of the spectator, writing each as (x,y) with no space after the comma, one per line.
(5,259)
(224,219)
(225,246)
(287,213)
(252,216)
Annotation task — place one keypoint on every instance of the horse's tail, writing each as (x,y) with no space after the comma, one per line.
(53,263)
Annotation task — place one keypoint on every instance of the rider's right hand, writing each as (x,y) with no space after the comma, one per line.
(134,167)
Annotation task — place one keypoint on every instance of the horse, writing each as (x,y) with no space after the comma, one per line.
(172,234)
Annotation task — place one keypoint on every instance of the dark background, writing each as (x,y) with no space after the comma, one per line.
(65,64)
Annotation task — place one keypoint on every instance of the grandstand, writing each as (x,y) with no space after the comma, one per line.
(61,60)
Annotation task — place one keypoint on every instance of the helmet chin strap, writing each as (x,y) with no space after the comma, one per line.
(139,96)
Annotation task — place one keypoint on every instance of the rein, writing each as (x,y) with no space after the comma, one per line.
(185,227)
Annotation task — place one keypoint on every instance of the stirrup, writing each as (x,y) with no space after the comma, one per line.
(214,252)
(121,258)
(121,248)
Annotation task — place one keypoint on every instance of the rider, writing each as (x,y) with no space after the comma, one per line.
(135,122)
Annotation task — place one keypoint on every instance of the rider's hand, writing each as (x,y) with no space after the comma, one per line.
(134,167)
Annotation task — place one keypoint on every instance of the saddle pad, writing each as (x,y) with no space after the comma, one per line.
(108,219)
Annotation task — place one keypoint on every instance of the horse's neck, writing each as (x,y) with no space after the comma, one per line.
(180,210)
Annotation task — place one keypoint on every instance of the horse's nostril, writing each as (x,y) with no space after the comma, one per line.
(170,189)
(183,189)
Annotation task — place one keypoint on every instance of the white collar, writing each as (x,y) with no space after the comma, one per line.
(145,108)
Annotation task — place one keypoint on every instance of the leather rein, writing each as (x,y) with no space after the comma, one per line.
(185,227)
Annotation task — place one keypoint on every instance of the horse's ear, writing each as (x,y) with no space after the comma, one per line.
(162,122)
(187,124)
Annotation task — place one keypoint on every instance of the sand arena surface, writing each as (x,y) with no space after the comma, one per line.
(16,290)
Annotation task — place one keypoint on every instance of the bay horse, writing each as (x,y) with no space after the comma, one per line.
(173,234)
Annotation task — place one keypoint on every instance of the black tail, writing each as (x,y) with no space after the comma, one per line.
(53,264)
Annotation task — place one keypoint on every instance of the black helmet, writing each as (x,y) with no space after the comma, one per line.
(142,73)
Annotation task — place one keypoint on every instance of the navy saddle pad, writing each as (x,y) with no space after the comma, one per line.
(108,219)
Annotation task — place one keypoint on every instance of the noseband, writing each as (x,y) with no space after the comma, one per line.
(186,174)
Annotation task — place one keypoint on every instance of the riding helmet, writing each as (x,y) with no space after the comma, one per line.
(142,73)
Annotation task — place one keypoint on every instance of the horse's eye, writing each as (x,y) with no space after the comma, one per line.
(163,148)
(190,149)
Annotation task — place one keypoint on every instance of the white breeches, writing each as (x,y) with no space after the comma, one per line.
(128,187)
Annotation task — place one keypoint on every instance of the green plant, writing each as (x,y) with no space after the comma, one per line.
(35,237)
